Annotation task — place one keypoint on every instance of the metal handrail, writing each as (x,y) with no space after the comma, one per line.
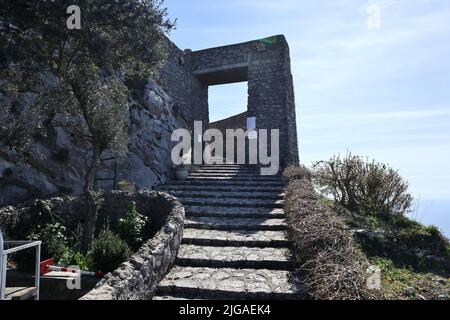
(2,281)
(19,246)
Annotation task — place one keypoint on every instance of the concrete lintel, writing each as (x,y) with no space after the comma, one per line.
(230,73)
(226,67)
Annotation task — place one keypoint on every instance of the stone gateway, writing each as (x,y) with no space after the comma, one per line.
(176,98)
(265,64)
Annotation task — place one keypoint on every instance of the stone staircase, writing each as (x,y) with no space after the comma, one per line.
(235,243)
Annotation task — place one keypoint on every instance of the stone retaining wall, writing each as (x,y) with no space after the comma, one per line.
(138,278)
(134,279)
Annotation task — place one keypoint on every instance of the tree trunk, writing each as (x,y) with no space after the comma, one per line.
(90,202)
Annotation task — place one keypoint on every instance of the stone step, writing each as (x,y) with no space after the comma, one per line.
(233,212)
(230,174)
(229,183)
(227,171)
(211,223)
(228,283)
(232,257)
(226,167)
(250,170)
(249,189)
(230,166)
(229,194)
(235,178)
(251,203)
(236,238)
(170,298)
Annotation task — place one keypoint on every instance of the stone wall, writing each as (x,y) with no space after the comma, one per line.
(60,160)
(174,99)
(134,279)
(265,64)
(138,278)
(190,96)
(235,122)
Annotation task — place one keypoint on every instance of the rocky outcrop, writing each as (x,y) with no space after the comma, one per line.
(60,159)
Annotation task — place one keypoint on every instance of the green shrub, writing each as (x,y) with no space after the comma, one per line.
(131,228)
(368,187)
(109,251)
(126,186)
(54,244)
(54,240)
(76,258)
(397,282)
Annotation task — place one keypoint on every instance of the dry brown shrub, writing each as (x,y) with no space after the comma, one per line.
(296,173)
(358,184)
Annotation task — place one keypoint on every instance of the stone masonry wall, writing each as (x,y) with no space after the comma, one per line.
(60,159)
(235,122)
(174,100)
(138,278)
(177,97)
(265,64)
(190,96)
(134,279)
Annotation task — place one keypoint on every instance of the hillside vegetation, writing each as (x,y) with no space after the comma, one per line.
(348,216)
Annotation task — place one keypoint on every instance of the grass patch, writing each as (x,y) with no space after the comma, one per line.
(405,284)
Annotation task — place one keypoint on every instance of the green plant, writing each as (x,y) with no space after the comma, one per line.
(131,228)
(126,186)
(117,40)
(54,244)
(404,283)
(368,187)
(109,251)
(76,258)
(54,240)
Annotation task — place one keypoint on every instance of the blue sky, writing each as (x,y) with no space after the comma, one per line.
(380,93)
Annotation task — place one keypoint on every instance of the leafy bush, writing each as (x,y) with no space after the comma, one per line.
(131,228)
(109,251)
(54,244)
(54,240)
(126,186)
(363,186)
(76,258)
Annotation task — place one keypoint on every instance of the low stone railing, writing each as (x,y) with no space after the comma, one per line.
(137,279)
(134,279)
